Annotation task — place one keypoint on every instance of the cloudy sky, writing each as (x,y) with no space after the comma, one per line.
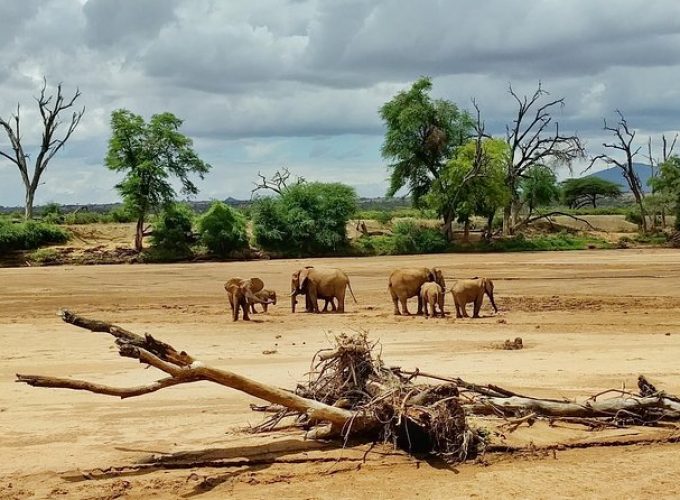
(297,83)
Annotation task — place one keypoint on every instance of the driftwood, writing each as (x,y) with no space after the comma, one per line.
(350,393)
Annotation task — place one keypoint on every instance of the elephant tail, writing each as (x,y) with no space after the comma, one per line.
(351,291)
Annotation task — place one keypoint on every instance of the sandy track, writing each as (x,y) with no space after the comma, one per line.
(589,320)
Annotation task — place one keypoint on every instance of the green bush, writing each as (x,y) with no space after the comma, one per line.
(634,216)
(559,241)
(29,235)
(307,219)
(407,238)
(222,230)
(172,231)
(121,214)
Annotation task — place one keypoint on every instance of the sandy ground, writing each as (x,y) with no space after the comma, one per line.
(590,320)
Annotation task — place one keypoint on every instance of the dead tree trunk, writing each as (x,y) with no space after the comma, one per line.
(50,107)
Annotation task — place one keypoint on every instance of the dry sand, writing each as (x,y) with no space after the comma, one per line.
(589,320)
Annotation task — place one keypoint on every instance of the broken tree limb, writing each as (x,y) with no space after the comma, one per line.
(167,359)
(547,408)
(160,349)
(82,385)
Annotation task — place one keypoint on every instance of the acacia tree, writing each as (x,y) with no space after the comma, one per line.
(623,142)
(658,201)
(150,154)
(422,135)
(577,193)
(534,138)
(50,108)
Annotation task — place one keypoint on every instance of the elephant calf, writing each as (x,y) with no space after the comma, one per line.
(473,290)
(432,295)
(241,292)
(266,297)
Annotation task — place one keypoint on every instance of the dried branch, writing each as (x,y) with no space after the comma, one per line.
(276,183)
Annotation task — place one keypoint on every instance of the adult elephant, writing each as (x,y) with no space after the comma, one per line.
(406,282)
(320,282)
(242,293)
(472,290)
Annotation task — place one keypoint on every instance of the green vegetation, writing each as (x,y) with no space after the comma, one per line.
(150,154)
(306,219)
(577,193)
(29,235)
(407,238)
(667,183)
(222,230)
(422,135)
(473,183)
(172,235)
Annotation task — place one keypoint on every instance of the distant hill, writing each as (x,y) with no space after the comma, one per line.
(613,174)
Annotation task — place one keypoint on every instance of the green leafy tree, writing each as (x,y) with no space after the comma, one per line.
(306,219)
(151,154)
(222,230)
(172,231)
(577,193)
(466,189)
(667,183)
(538,188)
(421,135)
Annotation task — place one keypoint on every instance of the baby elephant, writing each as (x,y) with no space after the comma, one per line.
(266,296)
(473,290)
(432,295)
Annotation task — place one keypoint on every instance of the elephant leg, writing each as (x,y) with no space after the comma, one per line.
(333,307)
(457,306)
(404,308)
(425,310)
(309,307)
(395,301)
(341,301)
(234,309)
(264,307)
(463,306)
(244,306)
(478,306)
(252,308)
(420,305)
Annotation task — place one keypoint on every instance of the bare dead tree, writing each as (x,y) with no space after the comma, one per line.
(277,182)
(534,138)
(50,108)
(624,138)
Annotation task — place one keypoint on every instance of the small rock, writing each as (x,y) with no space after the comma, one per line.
(502,321)
(272,351)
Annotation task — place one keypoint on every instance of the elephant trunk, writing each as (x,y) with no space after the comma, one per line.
(493,302)
(293,300)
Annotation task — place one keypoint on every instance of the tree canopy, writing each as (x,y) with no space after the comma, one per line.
(151,154)
(583,191)
(421,135)
(306,219)
(466,192)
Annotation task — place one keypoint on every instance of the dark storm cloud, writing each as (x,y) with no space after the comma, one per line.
(258,82)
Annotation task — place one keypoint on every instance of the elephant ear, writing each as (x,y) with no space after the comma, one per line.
(232,283)
(256,285)
(304,275)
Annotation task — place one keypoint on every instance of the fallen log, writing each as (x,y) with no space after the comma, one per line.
(351,393)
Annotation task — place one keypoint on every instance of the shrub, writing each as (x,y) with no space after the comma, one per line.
(172,231)
(29,235)
(121,214)
(407,238)
(383,218)
(307,219)
(222,230)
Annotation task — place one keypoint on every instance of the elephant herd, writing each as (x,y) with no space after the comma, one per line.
(331,285)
